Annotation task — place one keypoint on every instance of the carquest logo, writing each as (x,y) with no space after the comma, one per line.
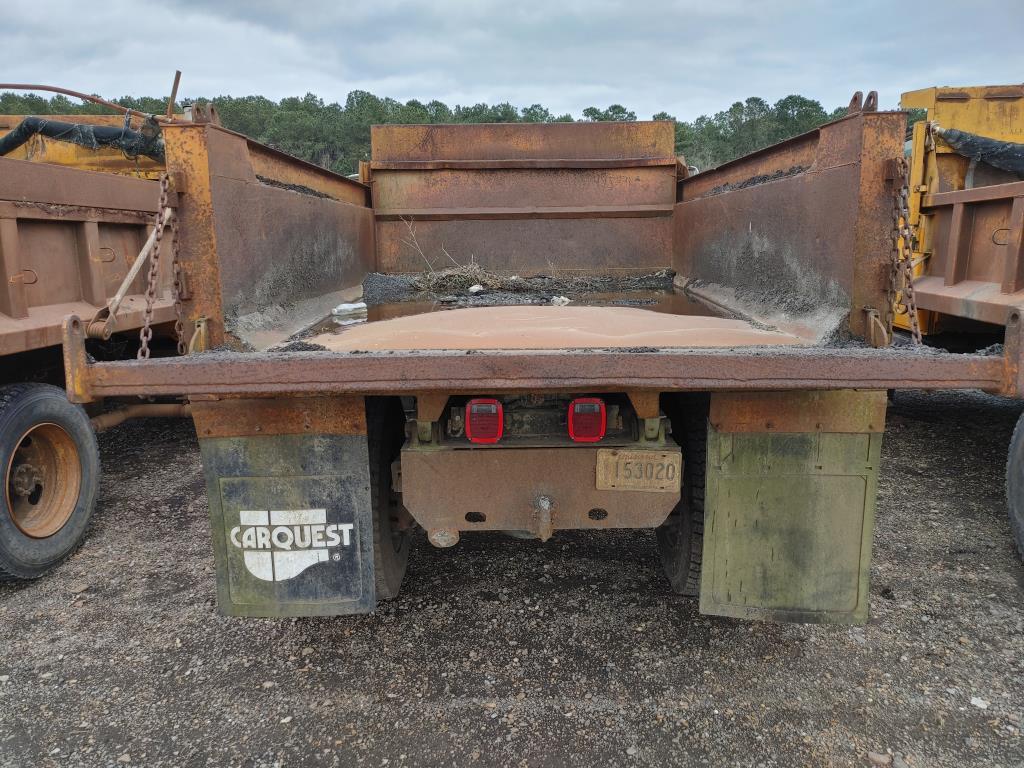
(281,543)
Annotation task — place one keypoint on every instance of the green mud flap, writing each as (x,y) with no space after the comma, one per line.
(790,504)
(291,522)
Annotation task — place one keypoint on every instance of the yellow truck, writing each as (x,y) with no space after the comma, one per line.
(965,208)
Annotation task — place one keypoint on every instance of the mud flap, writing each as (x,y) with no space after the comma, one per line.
(291,522)
(790,505)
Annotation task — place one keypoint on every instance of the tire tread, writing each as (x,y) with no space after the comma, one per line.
(9,394)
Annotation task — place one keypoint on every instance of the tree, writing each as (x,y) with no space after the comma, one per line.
(247,114)
(795,115)
(614,113)
(535,113)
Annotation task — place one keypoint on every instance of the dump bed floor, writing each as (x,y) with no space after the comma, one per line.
(550,327)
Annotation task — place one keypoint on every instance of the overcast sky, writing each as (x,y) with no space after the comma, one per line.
(687,57)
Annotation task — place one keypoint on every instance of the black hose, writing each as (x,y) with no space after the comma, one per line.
(1005,155)
(147,142)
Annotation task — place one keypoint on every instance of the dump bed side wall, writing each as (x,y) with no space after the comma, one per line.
(525,199)
(67,239)
(801,227)
(262,231)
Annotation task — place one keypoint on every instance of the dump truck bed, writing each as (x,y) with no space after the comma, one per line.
(791,244)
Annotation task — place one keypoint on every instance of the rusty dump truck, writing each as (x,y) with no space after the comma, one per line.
(521,327)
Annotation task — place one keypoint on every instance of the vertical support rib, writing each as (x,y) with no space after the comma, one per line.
(90,265)
(13,301)
(959,246)
(1013,270)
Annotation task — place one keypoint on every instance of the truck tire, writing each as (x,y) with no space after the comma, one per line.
(681,536)
(51,469)
(1015,484)
(385,421)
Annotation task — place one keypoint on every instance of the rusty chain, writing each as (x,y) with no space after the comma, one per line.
(176,287)
(164,217)
(901,273)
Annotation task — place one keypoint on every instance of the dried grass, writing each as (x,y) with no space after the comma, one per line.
(461,278)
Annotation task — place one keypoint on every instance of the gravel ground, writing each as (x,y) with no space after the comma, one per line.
(503,652)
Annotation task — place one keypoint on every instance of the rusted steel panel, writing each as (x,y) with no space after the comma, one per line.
(498,490)
(187,153)
(504,196)
(527,212)
(238,157)
(971,299)
(995,192)
(779,159)
(50,212)
(1014,354)
(814,237)
(43,328)
(276,247)
(277,166)
(975,268)
(531,245)
(816,411)
(247,245)
(67,240)
(23,181)
(611,187)
(13,276)
(246,417)
(554,370)
(68,237)
(523,141)
(882,138)
(505,165)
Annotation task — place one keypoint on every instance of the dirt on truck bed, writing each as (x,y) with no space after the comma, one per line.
(503,652)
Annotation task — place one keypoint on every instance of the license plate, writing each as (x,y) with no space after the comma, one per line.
(619,470)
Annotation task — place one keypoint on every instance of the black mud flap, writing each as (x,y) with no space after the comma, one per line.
(292,524)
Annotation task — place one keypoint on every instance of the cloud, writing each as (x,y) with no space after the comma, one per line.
(681,56)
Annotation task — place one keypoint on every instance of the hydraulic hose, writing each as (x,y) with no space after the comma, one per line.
(147,142)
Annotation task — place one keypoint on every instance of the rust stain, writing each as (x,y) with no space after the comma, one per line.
(814,411)
(247,417)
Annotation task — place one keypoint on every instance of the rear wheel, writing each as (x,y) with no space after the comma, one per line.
(681,536)
(385,422)
(51,468)
(1015,485)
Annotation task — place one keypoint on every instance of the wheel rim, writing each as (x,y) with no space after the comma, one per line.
(43,480)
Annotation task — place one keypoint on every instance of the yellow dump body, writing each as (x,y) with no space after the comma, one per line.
(995,112)
(54,152)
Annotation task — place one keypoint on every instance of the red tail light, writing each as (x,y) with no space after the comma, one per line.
(485,420)
(587,419)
